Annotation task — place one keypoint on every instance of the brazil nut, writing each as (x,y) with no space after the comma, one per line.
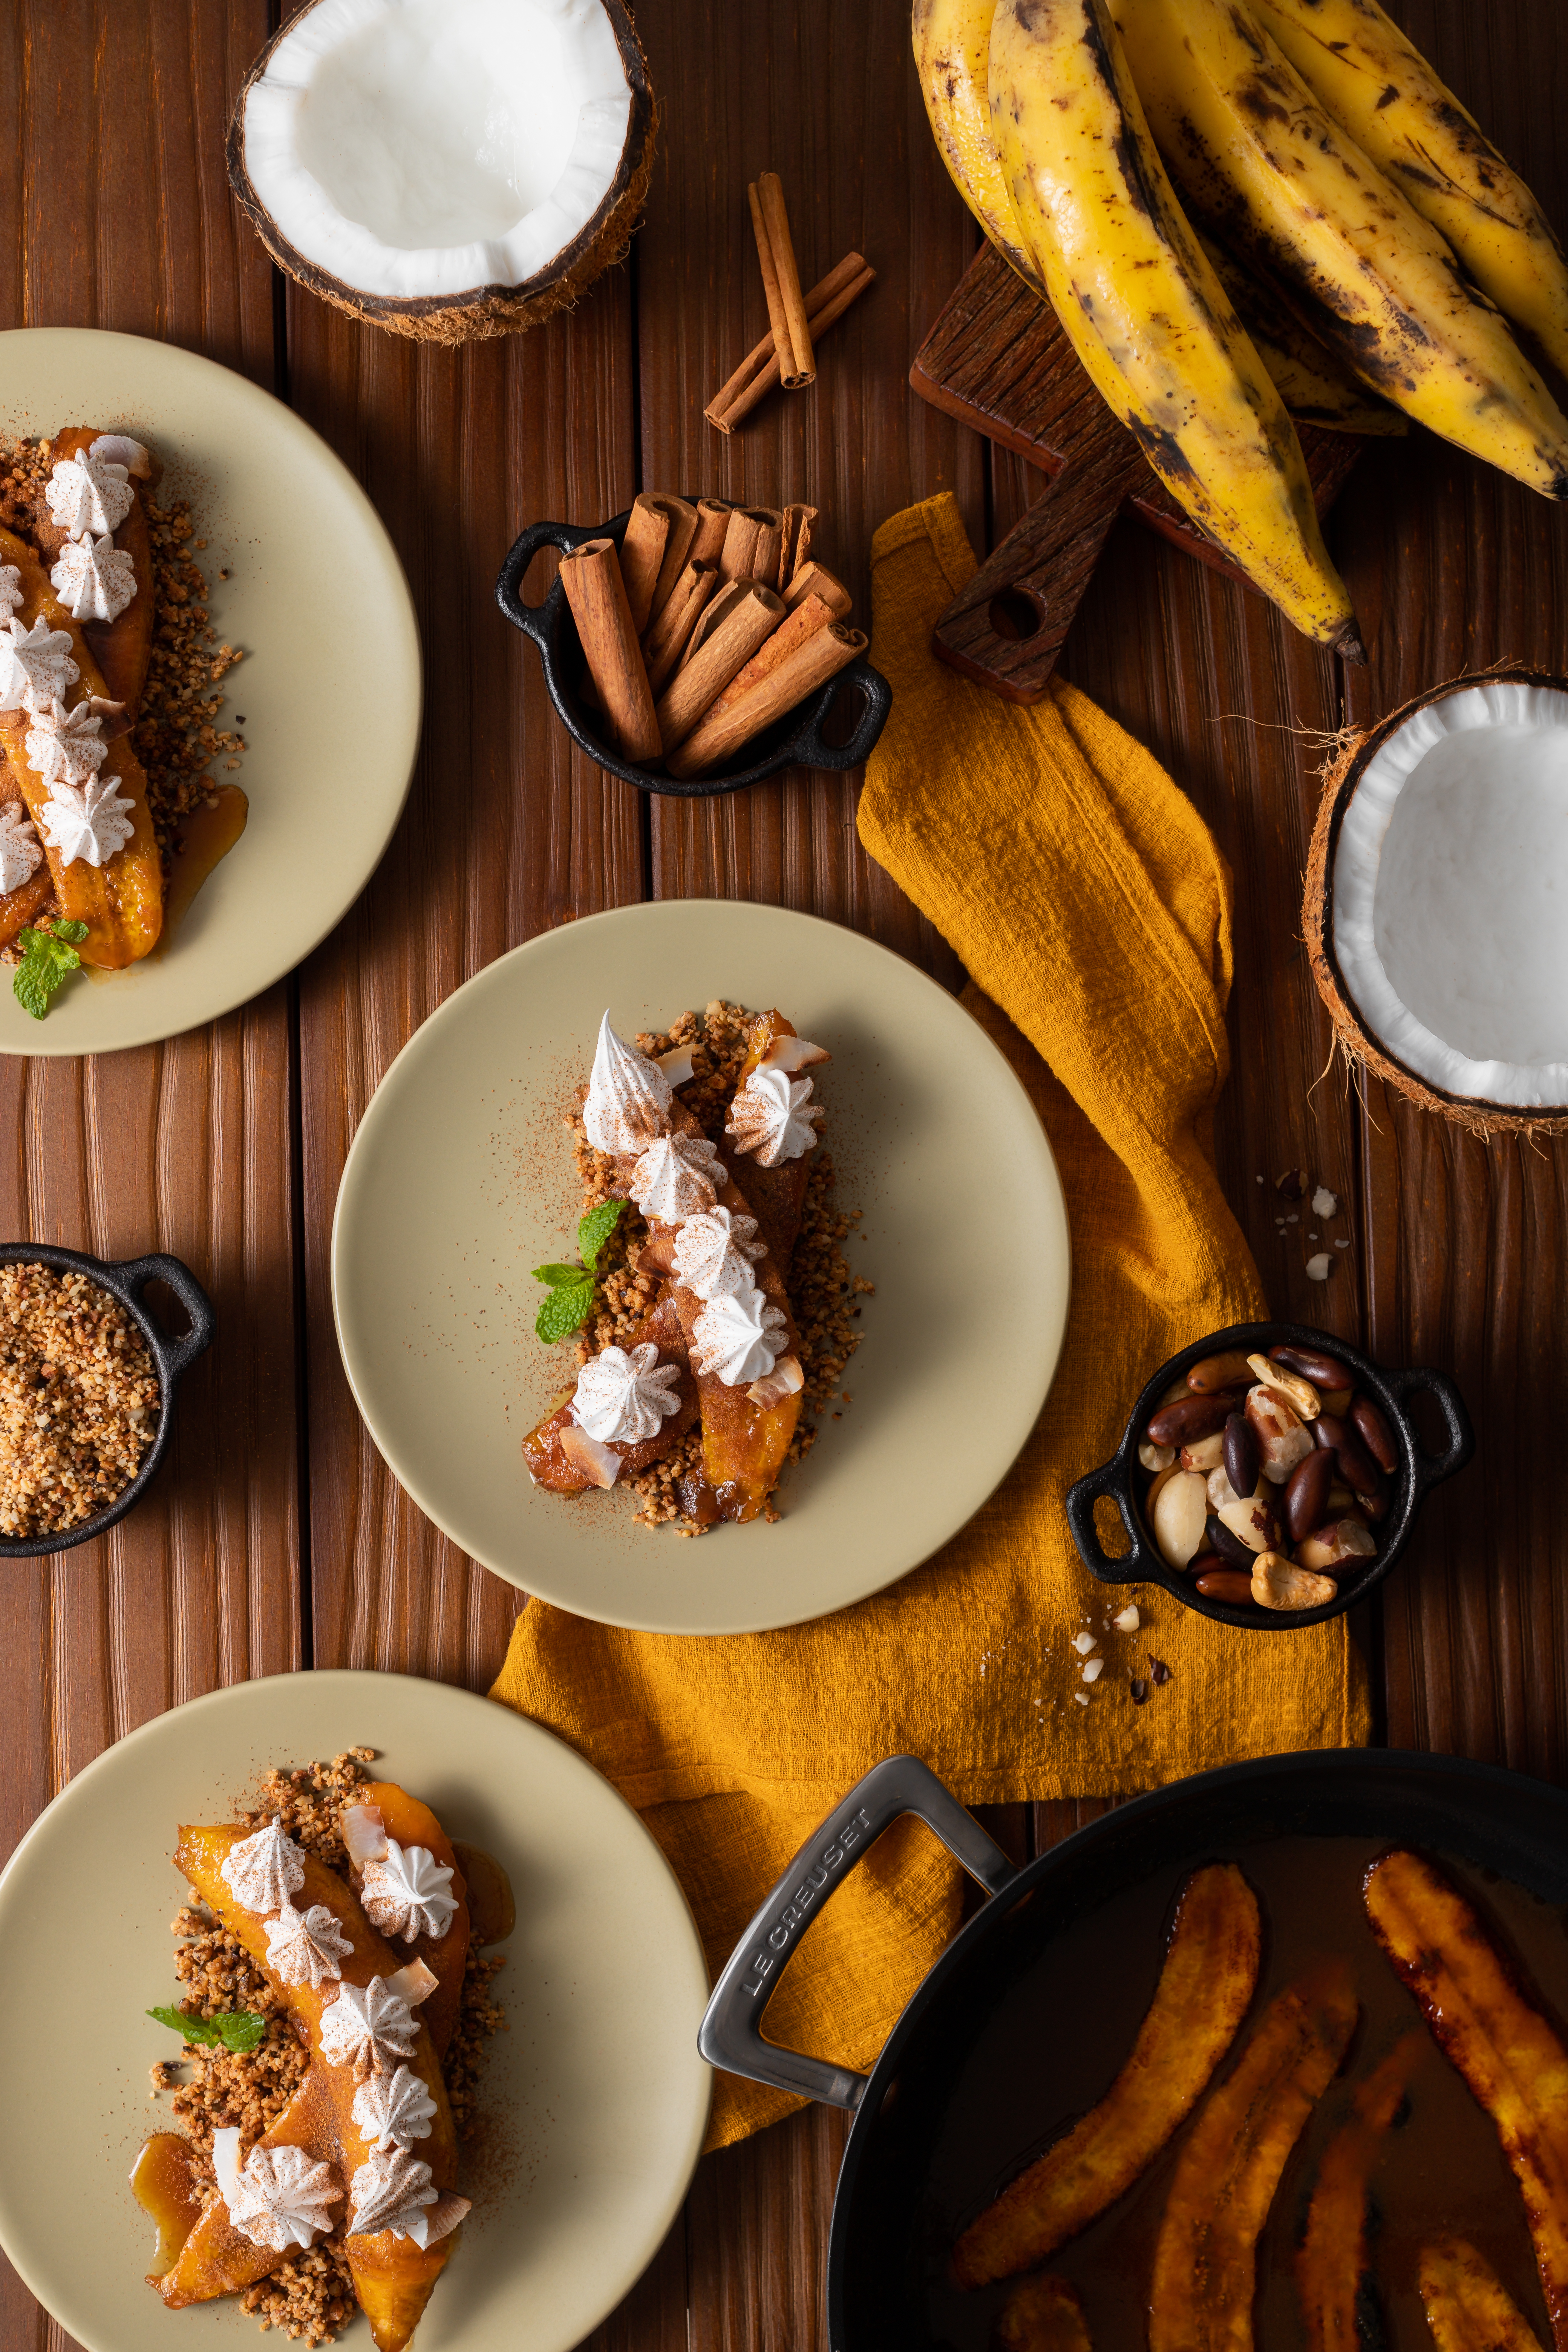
(1241,1455)
(1323,1371)
(1307,1495)
(1226,1371)
(1233,1584)
(1190,1418)
(1357,1468)
(1375,1434)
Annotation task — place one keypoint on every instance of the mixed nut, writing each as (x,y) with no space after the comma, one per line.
(1269,1475)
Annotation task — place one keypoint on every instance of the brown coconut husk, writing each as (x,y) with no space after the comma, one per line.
(482,310)
(1354,748)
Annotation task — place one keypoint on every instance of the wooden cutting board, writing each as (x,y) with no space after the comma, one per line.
(999,360)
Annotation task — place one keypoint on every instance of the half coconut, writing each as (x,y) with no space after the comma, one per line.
(1436,901)
(449,169)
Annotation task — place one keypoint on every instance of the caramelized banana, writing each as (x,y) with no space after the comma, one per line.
(122,902)
(1042,2315)
(1205,2257)
(393,2275)
(1332,2260)
(1205,1988)
(553,1467)
(776,1195)
(1467,2307)
(1516,2067)
(122,648)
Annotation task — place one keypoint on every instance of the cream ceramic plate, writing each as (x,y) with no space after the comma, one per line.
(460,1181)
(592,2103)
(317,598)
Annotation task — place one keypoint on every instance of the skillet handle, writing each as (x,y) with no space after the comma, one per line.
(877,700)
(731,2034)
(520,554)
(1431,1469)
(173,1355)
(1137,1566)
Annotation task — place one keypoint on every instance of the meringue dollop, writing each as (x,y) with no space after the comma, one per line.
(35,665)
(676,1177)
(93,579)
(369,2027)
(769,1118)
(306,1947)
(621,1397)
(87,822)
(387,2193)
(628,1099)
(714,1251)
(65,746)
(406,1892)
(87,493)
(263,1871)
(391,2110)
(740,1336)
(279,2197)
(20,853)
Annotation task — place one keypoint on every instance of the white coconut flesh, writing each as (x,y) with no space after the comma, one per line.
(1450,896)
(418,147)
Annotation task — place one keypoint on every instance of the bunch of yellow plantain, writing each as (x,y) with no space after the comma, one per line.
(1342,228)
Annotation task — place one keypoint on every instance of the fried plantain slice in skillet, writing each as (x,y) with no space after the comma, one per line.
(1205,2257)
(1467,2307)
(1515,2065)
(1333,2261)
(1203,1992)
(1042,2315)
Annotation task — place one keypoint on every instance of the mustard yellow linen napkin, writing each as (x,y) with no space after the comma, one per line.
(1091,905)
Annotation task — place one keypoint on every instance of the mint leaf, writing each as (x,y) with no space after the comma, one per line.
(556,1273)
(48,958)
(235,2030)
(565,1309)
(595,1229)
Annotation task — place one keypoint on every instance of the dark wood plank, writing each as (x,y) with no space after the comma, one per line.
(509,830)
(118,215)
(795,90)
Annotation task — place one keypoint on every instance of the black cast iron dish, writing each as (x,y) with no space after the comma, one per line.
(795,741)
(1123,1477)
(126,1281)
(887,2244)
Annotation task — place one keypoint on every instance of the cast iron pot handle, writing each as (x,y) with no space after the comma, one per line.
(173,1355)
(1134,1567)
(519,555)
(877,700)
(1431,1469)
(731,2034)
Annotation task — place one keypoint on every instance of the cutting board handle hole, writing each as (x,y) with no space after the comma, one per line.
(1016,613)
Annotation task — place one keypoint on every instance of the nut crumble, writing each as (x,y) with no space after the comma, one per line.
(79,1400)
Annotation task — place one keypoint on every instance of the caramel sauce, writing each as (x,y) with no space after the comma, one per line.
(1056,2040)
(207,838)
(161,2183)
(492,1909)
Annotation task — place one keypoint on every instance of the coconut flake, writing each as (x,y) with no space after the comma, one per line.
(792,1054)
(412,1982)
(363,1834)
(599,1464)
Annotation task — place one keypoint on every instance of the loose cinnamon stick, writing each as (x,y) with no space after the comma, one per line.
(821,657)
(809,615)
(781,282)
(755,615)
(722,602)
(797,523)
(759,370)
(596,595)
(752,544)
(643,544)
(815,579)
(677,553)
(713,522)
(666,640)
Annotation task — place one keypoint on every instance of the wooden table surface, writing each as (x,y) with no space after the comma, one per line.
(275,1539)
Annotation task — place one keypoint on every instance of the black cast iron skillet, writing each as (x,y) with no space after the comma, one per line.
(881,2260)
(1123,1477)
(795,741)
(125,1280)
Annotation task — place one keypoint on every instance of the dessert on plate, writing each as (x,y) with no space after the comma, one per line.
(107,826)
(325,2111)
(726,1308)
